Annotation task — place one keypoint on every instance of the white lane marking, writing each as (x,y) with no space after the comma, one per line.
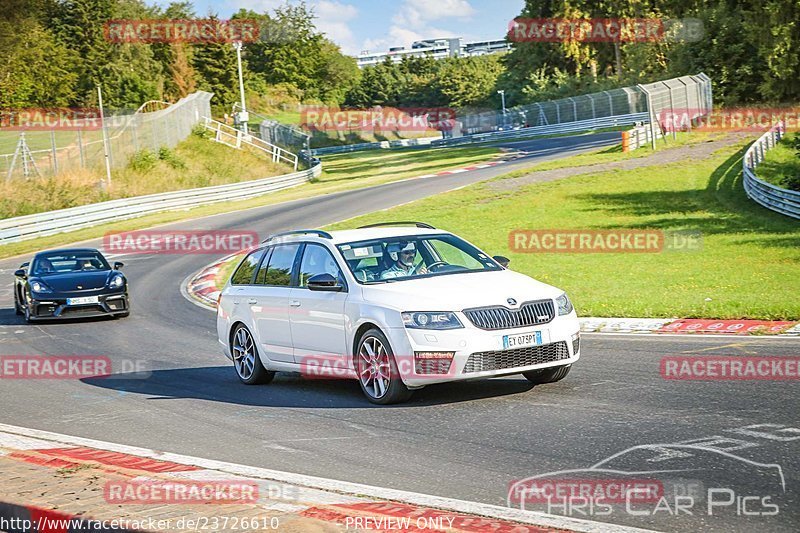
(17,442)
(343,487)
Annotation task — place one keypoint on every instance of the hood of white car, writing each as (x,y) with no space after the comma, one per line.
(455,292)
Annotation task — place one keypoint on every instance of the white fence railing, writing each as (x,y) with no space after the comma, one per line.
(638,137)
(771,196)
(64,220)
(236,139)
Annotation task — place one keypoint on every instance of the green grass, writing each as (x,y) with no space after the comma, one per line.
(381,166)
(748,266)
(341,172)
(781,165)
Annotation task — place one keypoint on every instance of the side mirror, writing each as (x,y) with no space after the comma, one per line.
(118,265)
(504,261)
(324,282)
(21,273)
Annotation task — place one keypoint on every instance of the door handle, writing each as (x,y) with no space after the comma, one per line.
(295,303)
(252,301)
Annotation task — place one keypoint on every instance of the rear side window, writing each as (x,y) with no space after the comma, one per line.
(278,270)
(244,274)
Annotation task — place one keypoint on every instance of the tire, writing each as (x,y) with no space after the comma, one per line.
(373,354)
(246,362)
(17,308)
(547,375)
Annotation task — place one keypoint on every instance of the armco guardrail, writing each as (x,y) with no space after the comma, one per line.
(53,222)
(771,196)
(400,143)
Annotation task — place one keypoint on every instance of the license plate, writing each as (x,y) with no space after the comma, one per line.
(83,301)
(522,340)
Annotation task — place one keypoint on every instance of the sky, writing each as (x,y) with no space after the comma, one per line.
(375,25)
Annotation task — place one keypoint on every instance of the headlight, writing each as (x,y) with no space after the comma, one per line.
(564,305)
(431,320)
(116,282)
(37,286)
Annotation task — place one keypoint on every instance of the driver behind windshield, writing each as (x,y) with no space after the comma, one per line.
(403,254)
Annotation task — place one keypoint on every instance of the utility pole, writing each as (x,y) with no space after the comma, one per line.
(105,138)
(243,116)
(502,93)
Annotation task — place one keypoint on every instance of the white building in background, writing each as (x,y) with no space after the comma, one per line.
(437,48)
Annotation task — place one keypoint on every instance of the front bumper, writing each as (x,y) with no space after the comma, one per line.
(479,353)
(43,308)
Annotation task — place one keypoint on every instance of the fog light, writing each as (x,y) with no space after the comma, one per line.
(576,343)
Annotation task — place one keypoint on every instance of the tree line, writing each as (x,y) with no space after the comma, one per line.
(55,53)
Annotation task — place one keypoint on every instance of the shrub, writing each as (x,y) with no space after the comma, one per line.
(171,158)
(142,161)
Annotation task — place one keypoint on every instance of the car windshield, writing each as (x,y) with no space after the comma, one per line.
(411,257)
(61,263)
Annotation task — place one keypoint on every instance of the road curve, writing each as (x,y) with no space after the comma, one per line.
(466,441)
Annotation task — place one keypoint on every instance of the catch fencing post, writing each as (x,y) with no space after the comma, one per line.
(649,101)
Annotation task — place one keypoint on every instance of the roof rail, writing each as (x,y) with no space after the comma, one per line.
(402,223)
(319,232)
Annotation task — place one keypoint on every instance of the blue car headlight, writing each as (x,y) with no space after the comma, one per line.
(431,320)
(38,286)
(116,281)
(564,305)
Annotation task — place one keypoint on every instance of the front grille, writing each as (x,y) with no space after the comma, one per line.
(499,317)
(518,357)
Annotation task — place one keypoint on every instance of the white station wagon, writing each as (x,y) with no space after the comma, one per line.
(397,306)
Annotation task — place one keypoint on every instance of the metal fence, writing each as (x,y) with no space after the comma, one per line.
(64,220)
(287,137)
(677,94)
(152,126)
(770,196)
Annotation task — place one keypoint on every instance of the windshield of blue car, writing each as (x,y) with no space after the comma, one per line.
(401,258)
(63,263)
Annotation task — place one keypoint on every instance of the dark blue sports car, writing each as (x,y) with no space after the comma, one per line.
(70,283)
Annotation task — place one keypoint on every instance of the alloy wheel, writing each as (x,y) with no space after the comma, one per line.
(244,353)
(374,367)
